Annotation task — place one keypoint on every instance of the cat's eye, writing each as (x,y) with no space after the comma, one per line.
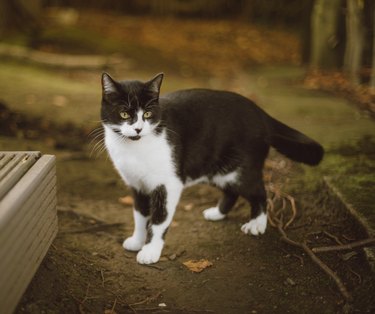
(124,115)
(147,115)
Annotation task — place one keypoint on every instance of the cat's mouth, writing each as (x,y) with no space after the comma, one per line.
(134,138)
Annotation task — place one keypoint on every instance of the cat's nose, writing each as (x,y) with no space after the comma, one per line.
(138,130)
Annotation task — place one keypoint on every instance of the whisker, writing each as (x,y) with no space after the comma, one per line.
(97,143)
(96,130)
(97,137)
(171,131)
(98,148)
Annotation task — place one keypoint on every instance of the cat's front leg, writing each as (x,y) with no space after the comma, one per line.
(141,215)
(138,239)
(163,203)
(225,205)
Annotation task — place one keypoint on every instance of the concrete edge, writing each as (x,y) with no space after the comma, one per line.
(358,217)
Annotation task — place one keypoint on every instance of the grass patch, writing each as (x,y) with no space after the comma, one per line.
(351,165)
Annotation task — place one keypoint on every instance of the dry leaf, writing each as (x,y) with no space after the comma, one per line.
(197,266)
(126,200)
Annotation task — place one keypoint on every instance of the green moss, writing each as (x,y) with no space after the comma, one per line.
(352,167)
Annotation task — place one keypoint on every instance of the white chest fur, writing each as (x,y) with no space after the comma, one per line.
(142,164)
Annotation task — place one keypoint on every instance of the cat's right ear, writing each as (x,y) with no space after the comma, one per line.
(108,84)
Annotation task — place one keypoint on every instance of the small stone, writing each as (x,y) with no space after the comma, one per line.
(189,207)
(290,282)
(172,257)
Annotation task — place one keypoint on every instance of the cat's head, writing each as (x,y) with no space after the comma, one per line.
(131,108)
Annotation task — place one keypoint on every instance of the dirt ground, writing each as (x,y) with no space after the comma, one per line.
(87,271)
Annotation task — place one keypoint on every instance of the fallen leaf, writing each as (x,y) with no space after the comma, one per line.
(174,224)
(126,200)
(197,266)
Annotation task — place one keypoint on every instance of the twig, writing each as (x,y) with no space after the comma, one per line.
(121,301)
(345,247)
(86,294)
(300,258)
(332,236)
(95,228)
(328,271)
(154,266)
(356,274)
(286,239)
(147,300)
(174,310)
(82,302)
(294,210)
(114,306)
(102,275)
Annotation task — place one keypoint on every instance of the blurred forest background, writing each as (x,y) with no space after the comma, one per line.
(327,35)
(333,38)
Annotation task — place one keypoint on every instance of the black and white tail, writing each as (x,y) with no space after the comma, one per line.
(293,144)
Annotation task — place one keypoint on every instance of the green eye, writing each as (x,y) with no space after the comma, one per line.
(124,115)
(147,115)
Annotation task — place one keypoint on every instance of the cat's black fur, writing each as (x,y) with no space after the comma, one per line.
(218,131)
(211,132)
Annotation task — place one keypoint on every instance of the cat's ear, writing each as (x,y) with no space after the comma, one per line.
(154,85)
(108,84)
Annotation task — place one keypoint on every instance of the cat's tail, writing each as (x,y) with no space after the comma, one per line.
(293,144)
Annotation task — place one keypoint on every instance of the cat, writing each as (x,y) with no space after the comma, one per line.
(159,145)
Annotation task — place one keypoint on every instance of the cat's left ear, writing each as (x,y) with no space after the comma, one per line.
(154,85)
(108,84)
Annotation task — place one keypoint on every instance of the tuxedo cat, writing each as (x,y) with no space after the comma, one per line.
(159,145)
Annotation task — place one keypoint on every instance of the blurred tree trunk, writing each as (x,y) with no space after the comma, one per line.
(354,41)
(325,39)
(4,16)
(305,32)
(20,15)
(372,82)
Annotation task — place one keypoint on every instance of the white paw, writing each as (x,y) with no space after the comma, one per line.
(149,254)
(213,214)
(255,226)
(133,244)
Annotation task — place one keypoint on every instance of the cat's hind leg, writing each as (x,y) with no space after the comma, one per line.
(256,226)
(221,210)
(258,218)
(163,203)
(256,196)
(141,215)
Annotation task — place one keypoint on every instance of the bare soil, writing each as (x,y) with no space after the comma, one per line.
(87,271)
